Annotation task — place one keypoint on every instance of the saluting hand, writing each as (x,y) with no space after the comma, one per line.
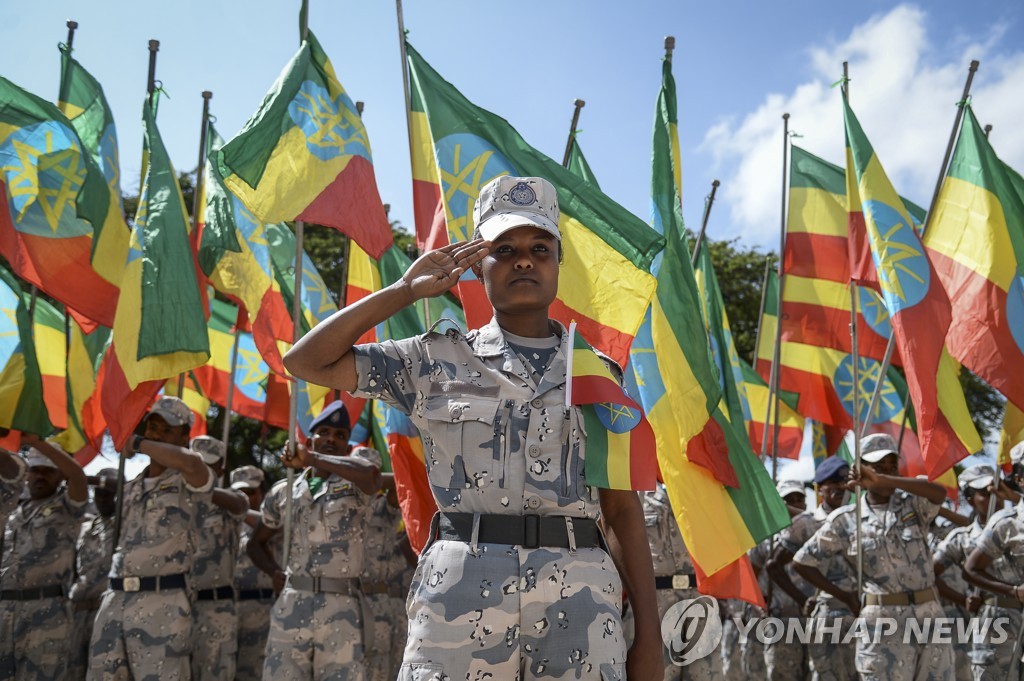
(436,272)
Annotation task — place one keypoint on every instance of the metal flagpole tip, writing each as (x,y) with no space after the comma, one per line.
(207,94)
(72,24)
(785,116)
(715,183)
(579,103)
(154,45)
(359,108)
(670,43)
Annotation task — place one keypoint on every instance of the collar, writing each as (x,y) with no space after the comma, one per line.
(490,342)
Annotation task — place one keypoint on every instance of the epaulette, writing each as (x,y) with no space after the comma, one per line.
(453,331)
(848,508)
(1001,514)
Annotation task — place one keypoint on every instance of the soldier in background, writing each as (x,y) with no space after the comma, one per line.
(829,661)
(254,588)
(899,581)
(316,623)
(144,625)
(402,567)
(38,562)
(960,600)
(214,619)
(92,565)
(995,565)
(674,577)
(731,652)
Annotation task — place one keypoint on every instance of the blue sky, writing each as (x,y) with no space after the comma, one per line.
(738,66)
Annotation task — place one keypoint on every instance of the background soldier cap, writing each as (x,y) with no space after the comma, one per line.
(977,477)
(246,477)
(787,487)
(210,448)
(876,447)
(1017,453)
(831,468)
(173,410)
(334,415)
(36,459)
(507,202)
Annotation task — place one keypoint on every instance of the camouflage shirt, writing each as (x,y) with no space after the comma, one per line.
(1003,541)
(92,558)
(495,439)
(951,553)
(39,542)
(668,552)
(247,575)
(216,546)
(799,533)
(158,525)
(10,490)
(896,554)
(327,529)
(380,540)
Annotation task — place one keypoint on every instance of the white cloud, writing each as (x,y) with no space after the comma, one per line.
(903,90)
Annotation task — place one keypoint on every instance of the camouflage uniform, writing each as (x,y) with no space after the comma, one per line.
(92,565)
(947,544)
(38,553)
(1003,542)
(318,634)
(896,560)
(671,558)
(10,491)
(255,599)
(731,654)
(401,574)
(214,617)
(782,659)
(147,634)
(379,545)
(829,661)
(498,439)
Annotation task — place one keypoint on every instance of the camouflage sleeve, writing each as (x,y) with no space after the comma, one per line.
(273,507)
(797,534)
(950,551)
(388,371)
(10,490)
(75,508)
(993,540)
(926,510)
(822,547)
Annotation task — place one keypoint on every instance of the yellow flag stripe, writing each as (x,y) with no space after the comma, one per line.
(816,211)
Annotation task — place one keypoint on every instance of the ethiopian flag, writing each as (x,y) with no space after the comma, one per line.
(52,196)
(605,282)
(235,257)
(81,99)
(51,352)
(620,442)
(791,424)
(305,155)
(578,163)
(975,240)
(21,388)
(317,303)
(1010,433)
(85,350)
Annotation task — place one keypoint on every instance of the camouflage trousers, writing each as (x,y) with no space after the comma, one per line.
(961,648)
(81,634)
(891,659)
(707,668)
(399,630)
(253,627)
(214,640)
(315,636)
(992,660)
(34,639)
(378,637)
(831,659)
(504,612)
(141,635)
(785,660)
(731,655)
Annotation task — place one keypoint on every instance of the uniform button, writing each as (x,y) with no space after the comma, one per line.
(456,412)
(533,502)
(533,450)
(537,403)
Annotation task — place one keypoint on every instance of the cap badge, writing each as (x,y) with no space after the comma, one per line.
(522,195)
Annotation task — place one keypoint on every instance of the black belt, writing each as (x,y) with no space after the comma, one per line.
(528,531)
(255,594)
(677,581)
(221,593)
(36,594)
(159,583)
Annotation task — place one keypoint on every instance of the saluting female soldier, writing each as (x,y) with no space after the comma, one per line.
(515,583)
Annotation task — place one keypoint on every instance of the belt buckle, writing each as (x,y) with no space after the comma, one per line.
(531,531)
(131,584)
(680,581)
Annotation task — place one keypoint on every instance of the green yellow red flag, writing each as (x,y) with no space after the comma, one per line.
(578,162)
(52,196)
(605,279)
(305,155)
(85,350)
(51,352)
(21,388)
(975,240)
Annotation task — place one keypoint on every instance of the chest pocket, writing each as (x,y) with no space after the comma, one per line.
(50,528)
(165,512)
(467,441)
(340,509)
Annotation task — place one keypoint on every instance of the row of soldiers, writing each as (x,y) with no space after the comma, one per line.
(197,581)
(921,561)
